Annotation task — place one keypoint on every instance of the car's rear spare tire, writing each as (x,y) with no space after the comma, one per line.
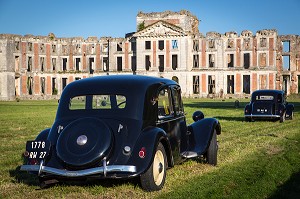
(84,142)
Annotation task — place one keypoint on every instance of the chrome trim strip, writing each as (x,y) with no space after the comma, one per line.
(253,115)
(79,173)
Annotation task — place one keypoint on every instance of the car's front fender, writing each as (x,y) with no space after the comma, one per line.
(289,110)
(202,132)
(147,143)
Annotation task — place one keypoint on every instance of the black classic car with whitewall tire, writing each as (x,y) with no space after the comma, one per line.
(268,105)
(122,126)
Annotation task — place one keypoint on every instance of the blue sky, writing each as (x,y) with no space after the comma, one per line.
(72,18)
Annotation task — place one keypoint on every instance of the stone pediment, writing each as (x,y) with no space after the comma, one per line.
(160,29)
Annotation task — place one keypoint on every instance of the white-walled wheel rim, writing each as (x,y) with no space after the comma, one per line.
(158,167)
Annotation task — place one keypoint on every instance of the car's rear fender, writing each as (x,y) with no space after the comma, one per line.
(247,110)
(43,134)
(201,134)
(147,142)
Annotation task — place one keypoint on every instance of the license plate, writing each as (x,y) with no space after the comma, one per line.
(37,150)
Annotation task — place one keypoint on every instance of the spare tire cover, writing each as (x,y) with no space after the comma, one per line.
(83,142)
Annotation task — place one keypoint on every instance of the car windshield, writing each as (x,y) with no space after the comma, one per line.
(107,102)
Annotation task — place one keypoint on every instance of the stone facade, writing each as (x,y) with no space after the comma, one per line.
(166,44)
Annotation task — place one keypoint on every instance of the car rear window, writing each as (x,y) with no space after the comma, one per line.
(264,97)
(97,102)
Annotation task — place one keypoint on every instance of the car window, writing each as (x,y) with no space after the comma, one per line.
(164,103)
(264,97)
(177,101)
(97,102)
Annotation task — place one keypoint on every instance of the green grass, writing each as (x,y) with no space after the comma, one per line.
(255,160)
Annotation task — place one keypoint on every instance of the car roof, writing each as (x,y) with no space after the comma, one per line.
(133,87)
(117,83)
(270,92)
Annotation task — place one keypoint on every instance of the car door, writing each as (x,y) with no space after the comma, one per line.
(171,117)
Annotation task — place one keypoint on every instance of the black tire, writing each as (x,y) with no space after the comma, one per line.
(282,118)
(212,151)
(292,116)
(154,178)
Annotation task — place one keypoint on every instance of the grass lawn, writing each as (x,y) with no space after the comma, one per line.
(256,160)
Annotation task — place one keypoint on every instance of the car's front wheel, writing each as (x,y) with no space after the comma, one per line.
(154,178)
(282,118)
(212,151)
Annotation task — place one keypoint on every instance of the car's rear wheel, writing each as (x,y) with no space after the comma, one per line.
(154,178)
(212,151)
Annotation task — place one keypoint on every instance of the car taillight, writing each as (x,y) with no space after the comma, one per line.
(142,152)
(33,161)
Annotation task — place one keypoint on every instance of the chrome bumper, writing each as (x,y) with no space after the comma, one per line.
(80,173)
(257,116)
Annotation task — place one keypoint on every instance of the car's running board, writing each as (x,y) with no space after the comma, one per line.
(189,154)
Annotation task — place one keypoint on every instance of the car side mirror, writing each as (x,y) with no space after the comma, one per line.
(198,115)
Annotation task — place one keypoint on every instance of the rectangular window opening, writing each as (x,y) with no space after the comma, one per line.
(196,45)
(246,84)
(43,81)
(195,61)
(53,64)
(174,44)
(286,62)
(29,85)
(211,84)
(91,65)
(119,63)
(133,46)
(211,58)
(147,45)
(54,89)
(161,44)
(196,84)
(230,60)
(65,61)
(42,62)
(174,62)
(246,60)
(147,62)
(161,63)
(230,84)
(105,64)
(286,46)
(119,46)
(17,63)
(64,83)
(133,63)
(29,64)
(77,64)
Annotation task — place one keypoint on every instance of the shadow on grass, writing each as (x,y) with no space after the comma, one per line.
(227,105)
(290,189)
(24,177)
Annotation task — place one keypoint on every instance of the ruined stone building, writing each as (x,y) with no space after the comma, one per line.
(165,44)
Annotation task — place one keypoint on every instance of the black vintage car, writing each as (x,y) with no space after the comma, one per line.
(268,105)
(122,126)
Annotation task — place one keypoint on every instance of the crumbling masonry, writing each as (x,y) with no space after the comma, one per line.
(165,44)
